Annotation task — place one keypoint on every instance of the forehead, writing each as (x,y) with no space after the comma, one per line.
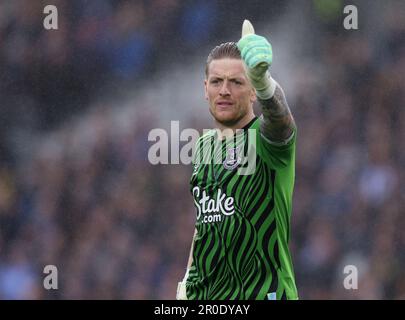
(226,67)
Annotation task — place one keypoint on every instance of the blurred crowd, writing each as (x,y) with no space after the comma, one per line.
(99,46)
(87,200)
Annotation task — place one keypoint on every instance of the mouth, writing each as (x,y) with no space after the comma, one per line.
(224,104)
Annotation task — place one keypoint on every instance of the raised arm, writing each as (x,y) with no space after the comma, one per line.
(277,122)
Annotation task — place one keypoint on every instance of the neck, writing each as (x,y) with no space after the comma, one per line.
(229,130)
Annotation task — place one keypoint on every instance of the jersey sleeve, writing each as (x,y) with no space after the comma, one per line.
(278,155)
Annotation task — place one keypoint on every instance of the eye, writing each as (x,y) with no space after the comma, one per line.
(237,82)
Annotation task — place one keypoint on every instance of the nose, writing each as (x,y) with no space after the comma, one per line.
(224,89)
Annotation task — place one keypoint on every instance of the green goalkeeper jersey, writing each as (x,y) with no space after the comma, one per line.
(242,189)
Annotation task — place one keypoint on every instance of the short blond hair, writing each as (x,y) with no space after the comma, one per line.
(224,50)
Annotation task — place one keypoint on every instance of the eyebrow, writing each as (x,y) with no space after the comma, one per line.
(233,77)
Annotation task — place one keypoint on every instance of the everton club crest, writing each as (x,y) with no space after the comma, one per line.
(233,158)
(195,169)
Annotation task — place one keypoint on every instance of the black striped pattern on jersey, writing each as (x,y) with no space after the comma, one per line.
(236,258)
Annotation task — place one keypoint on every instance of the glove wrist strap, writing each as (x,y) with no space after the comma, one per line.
(265,87)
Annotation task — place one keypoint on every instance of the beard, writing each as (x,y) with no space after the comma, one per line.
(230,119)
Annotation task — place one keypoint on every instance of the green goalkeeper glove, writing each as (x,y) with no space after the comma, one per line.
(257,55)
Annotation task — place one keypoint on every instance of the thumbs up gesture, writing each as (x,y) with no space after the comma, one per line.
(257,55)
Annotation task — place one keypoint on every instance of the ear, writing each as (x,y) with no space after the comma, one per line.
(205,89)
(253,96)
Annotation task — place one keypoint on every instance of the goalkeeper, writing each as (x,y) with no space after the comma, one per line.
(240,245)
